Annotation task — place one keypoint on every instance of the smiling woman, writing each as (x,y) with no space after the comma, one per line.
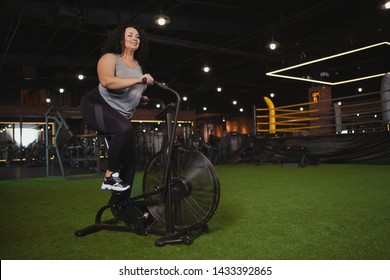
(109,107)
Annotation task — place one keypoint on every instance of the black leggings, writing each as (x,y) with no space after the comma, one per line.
(102,117)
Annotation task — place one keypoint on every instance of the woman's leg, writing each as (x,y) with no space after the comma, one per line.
(129,159)
(122,152)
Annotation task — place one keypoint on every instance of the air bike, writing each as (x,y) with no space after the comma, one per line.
(180,187)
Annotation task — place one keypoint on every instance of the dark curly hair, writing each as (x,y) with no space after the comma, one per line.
(115,38)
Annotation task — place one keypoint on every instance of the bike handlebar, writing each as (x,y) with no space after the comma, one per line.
(159,84)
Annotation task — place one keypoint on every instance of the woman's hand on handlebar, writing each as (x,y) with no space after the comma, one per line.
(147,79)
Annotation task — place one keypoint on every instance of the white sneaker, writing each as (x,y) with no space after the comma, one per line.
(114,183)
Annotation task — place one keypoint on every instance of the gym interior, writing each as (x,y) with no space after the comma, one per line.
(291,144)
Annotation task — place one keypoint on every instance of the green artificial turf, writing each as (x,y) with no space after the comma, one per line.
(265,212)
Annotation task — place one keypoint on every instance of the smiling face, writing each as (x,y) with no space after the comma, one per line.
(131,39)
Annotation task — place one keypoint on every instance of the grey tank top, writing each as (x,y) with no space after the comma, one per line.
(127,99)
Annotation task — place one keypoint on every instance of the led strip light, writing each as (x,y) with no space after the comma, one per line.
(275,73)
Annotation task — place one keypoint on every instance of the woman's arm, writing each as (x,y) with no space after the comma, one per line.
(106,74)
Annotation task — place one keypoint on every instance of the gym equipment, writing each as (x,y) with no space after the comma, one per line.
(54,114)
(181,192)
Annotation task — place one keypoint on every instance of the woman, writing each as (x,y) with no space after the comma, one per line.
(109,107)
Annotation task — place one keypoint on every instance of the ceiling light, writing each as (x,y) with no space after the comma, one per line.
(384,5)
(162,20)
(185,98)
(206,69)
(273,45)
(219,89)
(204,108)
(234,102)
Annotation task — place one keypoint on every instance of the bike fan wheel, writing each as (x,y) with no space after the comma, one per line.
(195,188)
